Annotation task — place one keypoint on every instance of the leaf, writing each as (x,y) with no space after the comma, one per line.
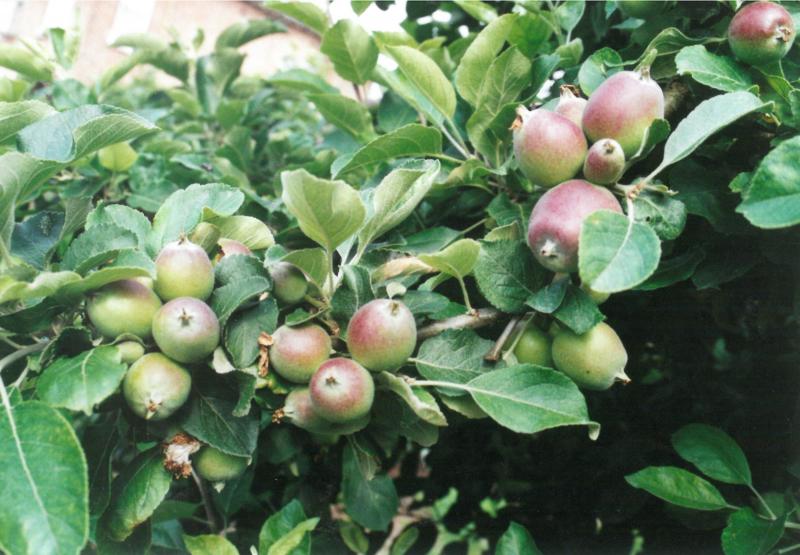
(345,113)
(370,503)
(516,541)
(578,311)
(210,419)
(34,238)
(773,198)
(471,72)
(25,62)
(307,13)
(328,212)
(79,383)
(679,487)
(396,197)
(209,544)
(356,291)
(528,399)
(428,79)
(747,534)
(666,215)
(97,245)
(293,538)
(547,299)
(673,270)
(351,49)
(421,402)
(301,80)
(482,11)
(282,523)
(250,231)
(99,442)
(136,492)
(43,285)
(615,254)
(242,32)
(507,274)
(717,72)
(122,216)
(713,452)
(312,262)
(243,329)
(706,119)
(14,116)
(408,141)
(453,356)
(185,208)
(456,260)
(45,506)
(70,291)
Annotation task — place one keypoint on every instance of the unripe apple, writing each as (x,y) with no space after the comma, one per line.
(289,285)
(594,360)
(641,9)
(124,306)
(622,108)
(299,410)
(548,147)
(382,334)
(297,352)
(130,351)
(555,226)
(183,269)
(571,106)
(761,33)
(598,297)
(118,157)
(605,162)
(186,329)
(231,246)
(533,347)
(342,390)
(155,386)
(216,466)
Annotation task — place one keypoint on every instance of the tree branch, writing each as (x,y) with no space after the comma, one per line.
(477,319)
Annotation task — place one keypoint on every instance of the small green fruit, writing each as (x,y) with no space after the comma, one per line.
(186,329)
(183,269)
(124,306)
(382,334)
(641,9)
(230,246)
(297,352)
(289,283)
(206,236)
(598,297)
(130,351)
(605,162)
(761,33)
(216,466)
(299,410)
(118,157)
(594,360)
(342,390)
(155,386)
(533,347)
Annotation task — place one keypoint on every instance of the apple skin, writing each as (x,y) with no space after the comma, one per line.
(125,306)
(571,106)
(605,162)
(186,329)
(289,284)
(533,347)
(594,360)
(183,269)
(342,390)
(155,386)
(297,352)
(381,335)
(216,466)
(761,33)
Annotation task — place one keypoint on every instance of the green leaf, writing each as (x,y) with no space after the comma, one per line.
(351,49)
(453,356)
(396,197)
(598,67)
(673,270)
(312,262)
(209,544)
(507,274)
(426,76)
(371,503)
(301,80)
(17,115)
(773,198)
(136,492)
(328,212)
(481,11)
(679,487)
(99,442)
(226,299)
(408,141)
(243,32)
(569,14)
(528,399)
(747,534)
(25,62)
(717,72)
(243,329)
(34,238)
(345,113)
(122,216)
(616,254)
(706,119)
(96,245)
(666,215)
(246,229)
(294,538)
(516,541)
(79,383)
(356,291)
(45,506)
(280,524)
(456,260)
(97,279)
(43,285)
(578,311)
(306,13)
(470,75)
(713,452)
(210,419)
(185,208)
(420,401)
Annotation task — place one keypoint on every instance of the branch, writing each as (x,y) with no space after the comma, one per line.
(211,515)
(494,353)
(477,319)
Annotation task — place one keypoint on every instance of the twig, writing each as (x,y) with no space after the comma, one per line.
(477,319)
(211,515)
(494,353)
(25,351)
